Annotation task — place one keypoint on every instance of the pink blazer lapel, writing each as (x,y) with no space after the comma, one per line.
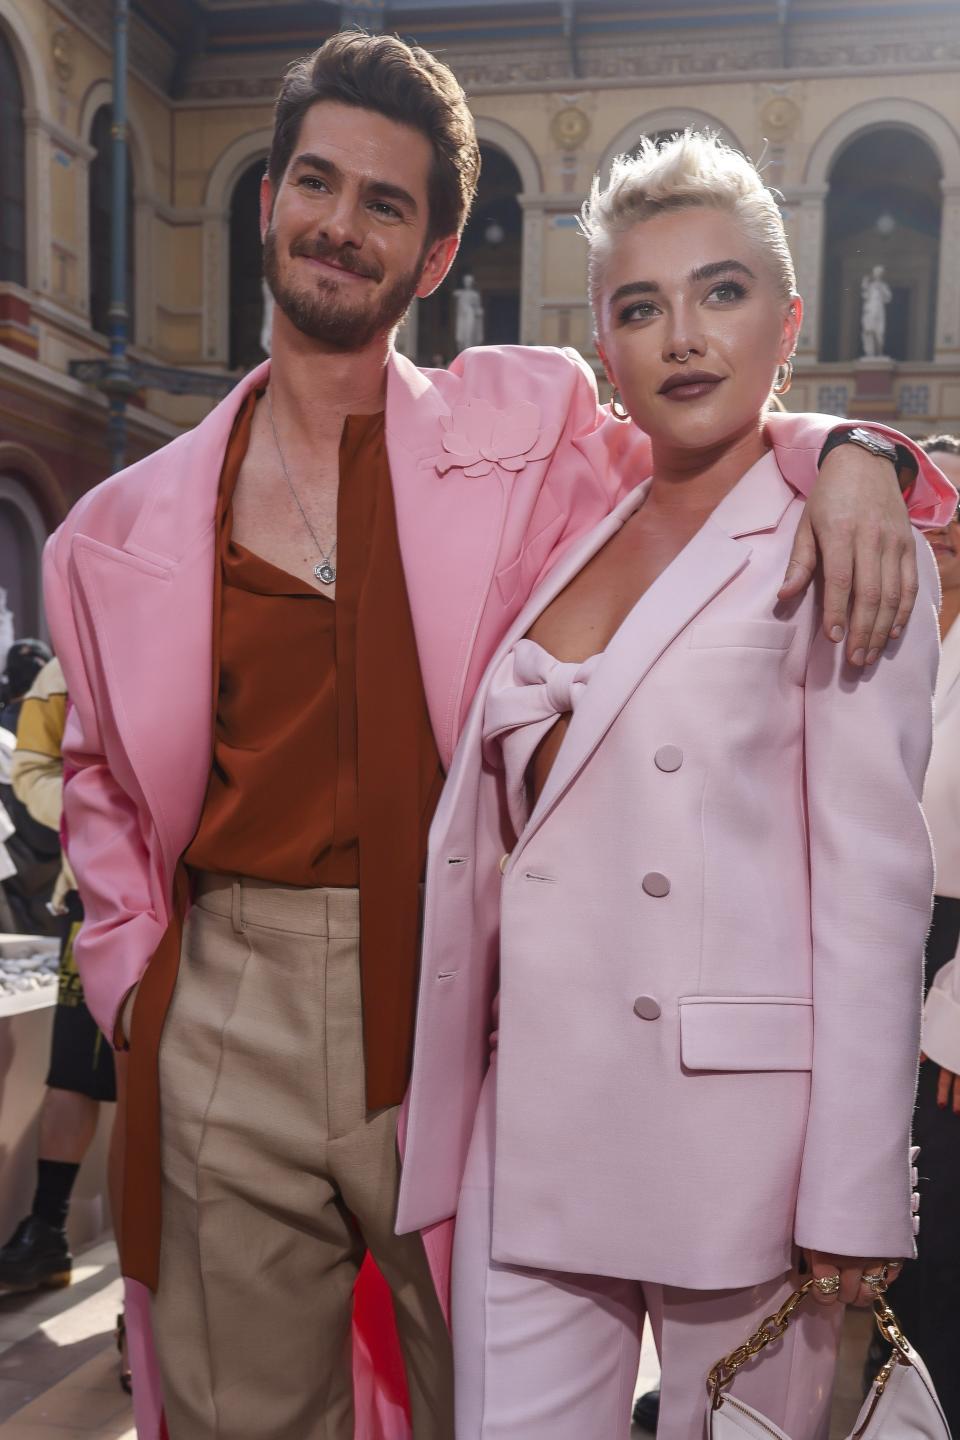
(450,528)
(711,559)
(466,761)
(151,606)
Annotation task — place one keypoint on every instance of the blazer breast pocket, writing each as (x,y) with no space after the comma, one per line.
(742,635)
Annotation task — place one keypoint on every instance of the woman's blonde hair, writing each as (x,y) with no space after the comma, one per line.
(694,168)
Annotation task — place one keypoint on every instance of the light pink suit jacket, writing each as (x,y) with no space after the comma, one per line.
(497,464)
(763,1094)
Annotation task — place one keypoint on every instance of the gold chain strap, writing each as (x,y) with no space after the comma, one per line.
(774,1326)
(770,1328)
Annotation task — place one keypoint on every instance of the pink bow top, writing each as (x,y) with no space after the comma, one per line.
(528,693)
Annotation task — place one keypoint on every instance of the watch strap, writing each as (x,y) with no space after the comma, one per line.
(906,464)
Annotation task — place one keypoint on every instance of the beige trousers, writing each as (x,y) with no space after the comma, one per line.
(275,1179)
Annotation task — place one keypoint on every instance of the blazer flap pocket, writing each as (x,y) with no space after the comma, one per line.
(747,634)
(746,1032)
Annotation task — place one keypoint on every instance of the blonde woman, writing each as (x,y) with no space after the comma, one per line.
(683,846)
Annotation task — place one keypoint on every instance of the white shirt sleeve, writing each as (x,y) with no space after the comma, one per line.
(941,1018)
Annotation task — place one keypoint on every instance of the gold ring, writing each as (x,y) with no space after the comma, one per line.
(828,1284)
(878,1280)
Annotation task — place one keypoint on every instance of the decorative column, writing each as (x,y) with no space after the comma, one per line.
(85,155)
(37,144)
(216,286)
(117,382)
(806,226)
(145,309)
(531,268)
(947,335)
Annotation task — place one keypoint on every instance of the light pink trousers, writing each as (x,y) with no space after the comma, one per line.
(545,1356)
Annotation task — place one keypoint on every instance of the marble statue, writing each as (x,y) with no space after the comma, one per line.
(873,322)
(469,314)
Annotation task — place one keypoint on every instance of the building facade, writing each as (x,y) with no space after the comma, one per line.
(853,105)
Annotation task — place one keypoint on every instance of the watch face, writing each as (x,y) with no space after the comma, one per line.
(878,444)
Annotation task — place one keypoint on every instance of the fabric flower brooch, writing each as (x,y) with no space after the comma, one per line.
(477,436)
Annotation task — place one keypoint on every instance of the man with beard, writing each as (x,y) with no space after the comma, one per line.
(271,632)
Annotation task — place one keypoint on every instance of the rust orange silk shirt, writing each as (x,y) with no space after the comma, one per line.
(325,770)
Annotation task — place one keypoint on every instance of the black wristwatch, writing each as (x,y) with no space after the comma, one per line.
(902,459)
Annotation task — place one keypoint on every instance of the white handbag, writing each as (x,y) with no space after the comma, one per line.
(901,1405)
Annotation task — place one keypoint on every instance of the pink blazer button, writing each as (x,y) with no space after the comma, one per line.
(646,1007)
(916,1224)
(668,758)
(914,1202)
(656,884)
(504,862)
(914,1176)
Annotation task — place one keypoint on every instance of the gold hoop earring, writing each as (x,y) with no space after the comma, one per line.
(784,377)
(621,413)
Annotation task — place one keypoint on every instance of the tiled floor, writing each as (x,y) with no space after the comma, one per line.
(58,1364)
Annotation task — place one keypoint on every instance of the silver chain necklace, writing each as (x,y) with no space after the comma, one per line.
(326,571)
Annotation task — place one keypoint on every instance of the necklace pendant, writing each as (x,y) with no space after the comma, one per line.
(325,573)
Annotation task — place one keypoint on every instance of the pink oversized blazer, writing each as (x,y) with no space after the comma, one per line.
(497,464)
(690,1081)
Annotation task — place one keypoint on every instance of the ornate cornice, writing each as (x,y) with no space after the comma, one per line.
(151,57)
(666,57)
(821,47)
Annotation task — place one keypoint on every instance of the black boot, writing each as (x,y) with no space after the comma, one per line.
(646,1412)
(36,1256)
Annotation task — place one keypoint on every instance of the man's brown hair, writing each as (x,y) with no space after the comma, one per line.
(403,82)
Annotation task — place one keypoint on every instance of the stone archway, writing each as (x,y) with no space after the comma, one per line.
(491,253)
(875,115)
(244,152)
(510,143)
(883,207)
(246,271)
(23,533)
(660,122)
(143,206)
(31,66)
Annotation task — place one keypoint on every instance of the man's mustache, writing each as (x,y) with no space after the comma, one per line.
(342,256)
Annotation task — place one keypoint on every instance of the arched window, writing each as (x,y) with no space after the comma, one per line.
(883,208)
(101,211)
(246,271)
(22,535)
(490,251)
(13,241)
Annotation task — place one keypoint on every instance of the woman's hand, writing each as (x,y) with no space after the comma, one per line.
(850,1269)
(857,527)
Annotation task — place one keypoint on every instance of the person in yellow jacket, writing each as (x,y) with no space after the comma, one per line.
(81,1073)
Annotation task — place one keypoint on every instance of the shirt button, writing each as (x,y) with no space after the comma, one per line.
(504,862)
(656,884)
(668,758)
(646,1007)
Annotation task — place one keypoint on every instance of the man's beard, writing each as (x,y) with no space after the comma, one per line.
(321,314)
